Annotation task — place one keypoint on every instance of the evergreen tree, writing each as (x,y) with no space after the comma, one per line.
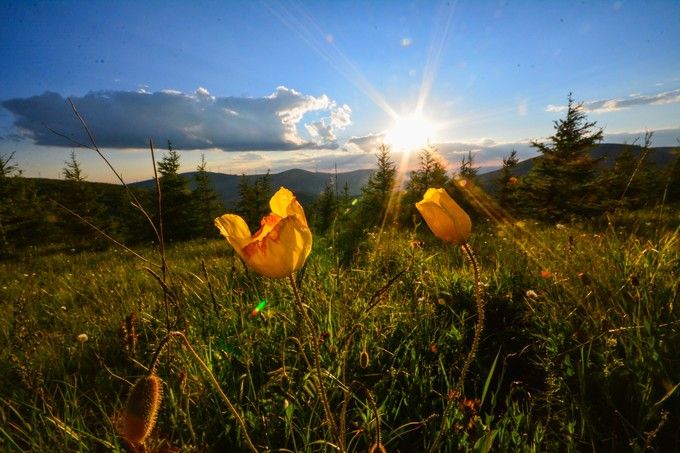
(672,179)
(206,201)
(8,170)
(178,215)
(379,189)
(81,198)
(430,173)
(371,211)
(253,201)
(467,169)
(262,195)
(72,170)
(563,180)
(22,218)
(326,208)
(631,183)
(463,186)
(344,199)
(507,183)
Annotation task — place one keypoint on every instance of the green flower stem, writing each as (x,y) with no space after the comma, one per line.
(471,354)
(320,388)
(216,384)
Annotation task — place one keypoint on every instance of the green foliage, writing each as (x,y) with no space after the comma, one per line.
(508,181)
(584,357)
(430,173)
(72,170)
(177,210)
(464,189)
(325,209)
(563,181)
(378,192)
(373,210)
(206,202)
(672,180)
(253,201)
(632,183)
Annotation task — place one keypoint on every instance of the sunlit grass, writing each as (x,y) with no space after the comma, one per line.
(581,357)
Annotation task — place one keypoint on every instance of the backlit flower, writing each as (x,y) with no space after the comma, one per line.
(281,245)
(445,218)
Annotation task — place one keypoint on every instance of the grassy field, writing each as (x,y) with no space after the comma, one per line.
(579,350)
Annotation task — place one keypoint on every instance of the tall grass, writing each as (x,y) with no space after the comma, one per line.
(579,351)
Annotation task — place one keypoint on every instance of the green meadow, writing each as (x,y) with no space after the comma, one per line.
(579,348)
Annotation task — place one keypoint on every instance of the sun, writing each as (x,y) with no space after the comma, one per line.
(409,133)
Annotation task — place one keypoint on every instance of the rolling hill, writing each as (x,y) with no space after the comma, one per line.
(305,184)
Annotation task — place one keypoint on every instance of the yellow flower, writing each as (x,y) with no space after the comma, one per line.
(445,218)
(281,245)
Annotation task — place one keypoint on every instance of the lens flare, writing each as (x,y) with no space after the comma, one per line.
(259,308)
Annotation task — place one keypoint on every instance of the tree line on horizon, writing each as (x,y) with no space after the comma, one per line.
(564,184)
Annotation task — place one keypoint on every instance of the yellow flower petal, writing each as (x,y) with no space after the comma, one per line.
(284,204)
(234,229)
(282,252)
(281,245)
(445,218)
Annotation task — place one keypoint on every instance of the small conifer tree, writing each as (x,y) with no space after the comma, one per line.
(206,201)
(563,180)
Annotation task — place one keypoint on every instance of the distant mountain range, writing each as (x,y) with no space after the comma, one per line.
(308,185)
(305,184)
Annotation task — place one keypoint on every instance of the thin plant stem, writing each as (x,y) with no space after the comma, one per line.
(161,239)
(213,380)
(479,326)
(321,389)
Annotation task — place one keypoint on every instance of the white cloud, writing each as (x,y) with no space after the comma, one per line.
(633,100)
(366,143)
(555,108)
(406,42)
(199,120)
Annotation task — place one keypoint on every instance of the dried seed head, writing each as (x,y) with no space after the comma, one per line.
(139,417)
(128,332)
(364,359)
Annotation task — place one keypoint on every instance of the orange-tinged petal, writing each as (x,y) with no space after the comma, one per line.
(267,224)
(281,245)
(445,218)
(281,252)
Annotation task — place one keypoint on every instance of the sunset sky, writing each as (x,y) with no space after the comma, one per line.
(258,85)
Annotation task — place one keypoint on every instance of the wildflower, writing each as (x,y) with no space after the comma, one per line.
(281,245)
(82,338)
(445,218)
(531,294)
(545,273)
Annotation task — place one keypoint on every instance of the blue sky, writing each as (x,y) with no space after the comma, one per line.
(277,85)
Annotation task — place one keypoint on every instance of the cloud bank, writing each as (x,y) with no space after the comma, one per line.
(612,105)
(199,120)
